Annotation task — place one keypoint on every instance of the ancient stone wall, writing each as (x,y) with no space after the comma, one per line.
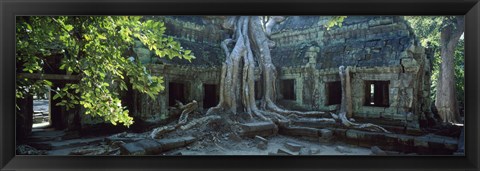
(372,48)
(193,79)
(360,41)
(199,34)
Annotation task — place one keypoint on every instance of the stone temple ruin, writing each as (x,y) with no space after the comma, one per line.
(387,82)
(389,71)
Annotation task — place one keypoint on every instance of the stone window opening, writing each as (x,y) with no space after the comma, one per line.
(376,93)
(211,96)
(288,89)
(334,92)
(176,92)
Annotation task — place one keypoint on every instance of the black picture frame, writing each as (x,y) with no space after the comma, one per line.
(11,8)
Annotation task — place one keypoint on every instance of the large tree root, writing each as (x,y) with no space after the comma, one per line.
(342,117)
(237,86)
(182,121)
(237,77)
(343,109)
(187,109)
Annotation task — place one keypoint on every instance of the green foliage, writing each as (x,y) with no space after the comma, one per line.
(460,71)
(428,30)
(97,49)
(335,21)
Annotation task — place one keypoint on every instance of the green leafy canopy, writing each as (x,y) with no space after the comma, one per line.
(428,30)
(96,48)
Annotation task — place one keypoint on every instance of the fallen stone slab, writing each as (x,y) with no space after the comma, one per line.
(56,145)
(142,147)
(299,131)
(393,153)
(314,150)
(315,123)
(293,146)
(343,149)
(426,144)
(377,151)
(39,136)
(28,150)
(325,135)
(260,139)
(286,152)
(262,143)
(305,151)
(234,137)
(274,154)
(168,144)
(149,146)
(175,154)
(258,128)
(117,139)
(96,150)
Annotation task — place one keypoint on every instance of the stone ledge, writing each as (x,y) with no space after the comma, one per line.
(258,128)
(427,144)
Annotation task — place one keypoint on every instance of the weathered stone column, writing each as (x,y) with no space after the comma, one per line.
(343,104)
(197,92)
(24,117)
(348,92)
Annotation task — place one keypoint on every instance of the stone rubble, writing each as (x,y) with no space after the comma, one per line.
(293,146)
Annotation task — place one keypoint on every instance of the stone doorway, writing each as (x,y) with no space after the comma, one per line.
(334,92)
(41,109)
(176,92)
(287,88)
(210,97)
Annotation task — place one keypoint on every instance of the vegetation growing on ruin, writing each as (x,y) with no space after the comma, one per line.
(98,49)
(444,34)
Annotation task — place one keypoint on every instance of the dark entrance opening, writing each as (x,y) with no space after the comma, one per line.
(334,92)
(41,108)
(288,89)
(176,91)
(258,90)
(376,93)
(210,97)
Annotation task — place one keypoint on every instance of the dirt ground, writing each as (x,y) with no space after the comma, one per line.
(220,143)
(249,147)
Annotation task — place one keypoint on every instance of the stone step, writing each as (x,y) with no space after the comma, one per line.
(168,144)
(152,147)
(426,144)
(123,139)
(286,152)
(142,147)
(297,131)
(316,123)
(61,152)
(41,136)
(258,128)
(57,145)
(294,147)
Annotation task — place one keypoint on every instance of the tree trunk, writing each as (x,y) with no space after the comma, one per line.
(446,101)
(342,116)
(237,94)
